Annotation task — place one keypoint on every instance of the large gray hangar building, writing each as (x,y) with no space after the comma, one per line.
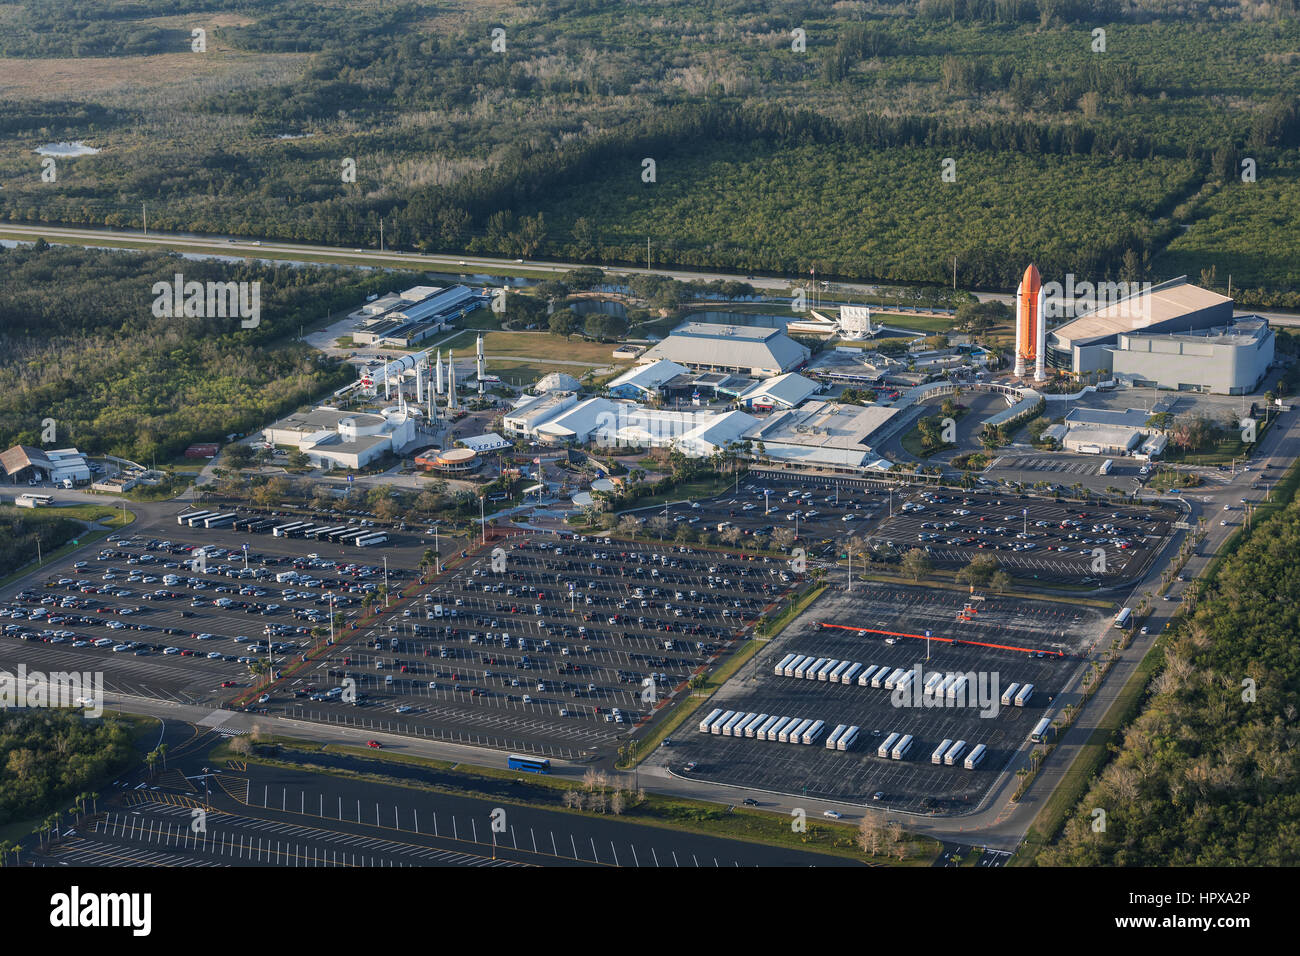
(1173,335)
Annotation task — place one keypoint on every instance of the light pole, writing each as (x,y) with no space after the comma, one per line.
(385,580)
(482,517)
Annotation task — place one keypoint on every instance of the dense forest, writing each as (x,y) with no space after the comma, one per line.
(1209,774)
(532,141)
(49,757)
(79,343)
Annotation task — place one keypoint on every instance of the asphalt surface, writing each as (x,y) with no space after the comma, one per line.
(193,814)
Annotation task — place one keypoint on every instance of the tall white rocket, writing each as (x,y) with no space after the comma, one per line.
(451,379)
(438,372)
(480,369)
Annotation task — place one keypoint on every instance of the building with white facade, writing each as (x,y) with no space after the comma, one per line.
(740,349)
(336,439)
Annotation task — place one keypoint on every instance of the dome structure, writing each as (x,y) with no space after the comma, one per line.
(557,382)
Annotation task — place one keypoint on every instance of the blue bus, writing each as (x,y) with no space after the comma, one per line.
(530,764)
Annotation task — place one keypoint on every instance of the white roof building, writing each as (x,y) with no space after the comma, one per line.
(740,349)
(557,382)
(532,411)
(716,433)
(783,391)
(645,379)
(337,439)
(822,434)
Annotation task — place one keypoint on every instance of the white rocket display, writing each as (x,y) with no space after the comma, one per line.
(451,380)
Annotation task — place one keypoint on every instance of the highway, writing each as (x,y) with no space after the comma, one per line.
(455,263)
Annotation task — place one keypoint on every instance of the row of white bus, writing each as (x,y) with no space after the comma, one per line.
(787,730)
(796,730)
(940,686)
(361,537)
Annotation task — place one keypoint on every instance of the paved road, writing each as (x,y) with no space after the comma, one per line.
(455,262)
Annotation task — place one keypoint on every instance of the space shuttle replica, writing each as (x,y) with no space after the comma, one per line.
(1031,325)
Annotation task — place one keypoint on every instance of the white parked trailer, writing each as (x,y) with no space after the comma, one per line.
(939,751)
(734,719)
(1009,695)
(958,687)
(906,681)
(834,676)
(739,729)
(789,669)
(834,735)
(323,533)
(801,671)
(774,731)
(888,745)
(185,516)
(864,679)
(1024,694)
(901,748)
(716,728)
(814,733)
(823,672)
(765,726)
(220,520)
(707,721)
(779,670)
(941,691)
(810,672)
(848,739)
(851,674)
(894,677)
(881,675)
(954,753)
(933,681)
(752,726)
(792,730)
(975,756)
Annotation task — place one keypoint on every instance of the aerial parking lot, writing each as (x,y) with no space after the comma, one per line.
(1037,538)
(1031,537)
(178,618)
(547,643)
(995,642)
